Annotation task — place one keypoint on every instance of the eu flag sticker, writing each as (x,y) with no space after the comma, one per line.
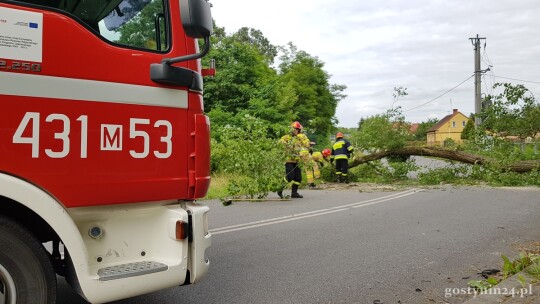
(33,25)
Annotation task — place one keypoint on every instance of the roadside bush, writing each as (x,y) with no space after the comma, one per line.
(400,168)
(328,173)
(446,175)
(369,172)
(252,158)
(449,143)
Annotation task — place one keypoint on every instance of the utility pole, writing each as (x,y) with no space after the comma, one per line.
(477,80)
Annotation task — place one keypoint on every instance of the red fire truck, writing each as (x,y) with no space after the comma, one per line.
(104,147)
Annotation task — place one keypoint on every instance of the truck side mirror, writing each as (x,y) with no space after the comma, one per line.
(197,23)
(196,18)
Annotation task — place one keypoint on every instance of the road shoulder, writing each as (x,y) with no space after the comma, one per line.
(511,291)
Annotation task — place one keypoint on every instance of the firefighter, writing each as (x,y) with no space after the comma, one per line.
(313,171)
(310,161)
(325,157)
(317,161)
(294,143)
(341,152)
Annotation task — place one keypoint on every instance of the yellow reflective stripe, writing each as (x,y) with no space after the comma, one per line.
(338,145)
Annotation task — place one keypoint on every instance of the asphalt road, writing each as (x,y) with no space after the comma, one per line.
(406,246)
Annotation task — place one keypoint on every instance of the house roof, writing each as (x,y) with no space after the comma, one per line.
(411,127)
(445,119)
(414,127)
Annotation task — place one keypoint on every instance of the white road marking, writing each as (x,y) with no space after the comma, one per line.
(294,217)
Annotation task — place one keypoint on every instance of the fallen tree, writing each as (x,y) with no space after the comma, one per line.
(468,158)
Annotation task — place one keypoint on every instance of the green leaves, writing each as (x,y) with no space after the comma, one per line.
(514,112)
(483,285)
(250,155)
(246,82)
(384,131)
(317,99)
(512,267)
(251,104)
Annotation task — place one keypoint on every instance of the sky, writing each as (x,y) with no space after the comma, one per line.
(374,46)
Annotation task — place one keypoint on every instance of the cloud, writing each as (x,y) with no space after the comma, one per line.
(374,46)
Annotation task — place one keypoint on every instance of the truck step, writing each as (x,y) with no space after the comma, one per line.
(130,270)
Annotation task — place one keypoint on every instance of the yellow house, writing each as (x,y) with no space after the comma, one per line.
(450,126)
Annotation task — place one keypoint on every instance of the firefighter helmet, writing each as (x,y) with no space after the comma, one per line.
(296,125)
(326,152)
(339,135)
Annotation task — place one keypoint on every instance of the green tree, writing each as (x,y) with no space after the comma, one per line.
(515,111)
(384,131)
(360,122)
(399,93)
(244,82)
(256,38)
(249,152)
(421,132)
(317,99)
(468,131)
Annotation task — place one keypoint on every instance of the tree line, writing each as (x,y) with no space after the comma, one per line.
(260,88)
(276,84)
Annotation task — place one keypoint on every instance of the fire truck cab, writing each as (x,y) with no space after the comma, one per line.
(104,147)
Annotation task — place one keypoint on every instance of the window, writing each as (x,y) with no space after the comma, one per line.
(132,23)
(135,23)
(453,124)
(463,123)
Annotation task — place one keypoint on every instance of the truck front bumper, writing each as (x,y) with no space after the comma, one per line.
(200,240)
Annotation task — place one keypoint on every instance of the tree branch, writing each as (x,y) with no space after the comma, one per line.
(468,158)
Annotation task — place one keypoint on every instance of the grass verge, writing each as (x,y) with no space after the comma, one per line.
(218,186)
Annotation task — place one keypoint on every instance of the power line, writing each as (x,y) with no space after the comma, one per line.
(489,88)
(486,57)
(440,95)
(491,74)
(516,79)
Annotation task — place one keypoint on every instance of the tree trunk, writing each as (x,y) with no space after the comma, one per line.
(519,166)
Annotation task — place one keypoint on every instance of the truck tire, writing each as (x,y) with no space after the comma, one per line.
(26,272)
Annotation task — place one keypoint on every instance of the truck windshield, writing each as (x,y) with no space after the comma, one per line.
(134,23)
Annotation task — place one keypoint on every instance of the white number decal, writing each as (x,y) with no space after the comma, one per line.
(84,135)
(64,136)
(31,121)
(133,133)
(166,139)
(34,138)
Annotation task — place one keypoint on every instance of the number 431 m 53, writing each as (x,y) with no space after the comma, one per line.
(111,136)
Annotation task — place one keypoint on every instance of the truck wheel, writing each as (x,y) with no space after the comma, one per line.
(26,272)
